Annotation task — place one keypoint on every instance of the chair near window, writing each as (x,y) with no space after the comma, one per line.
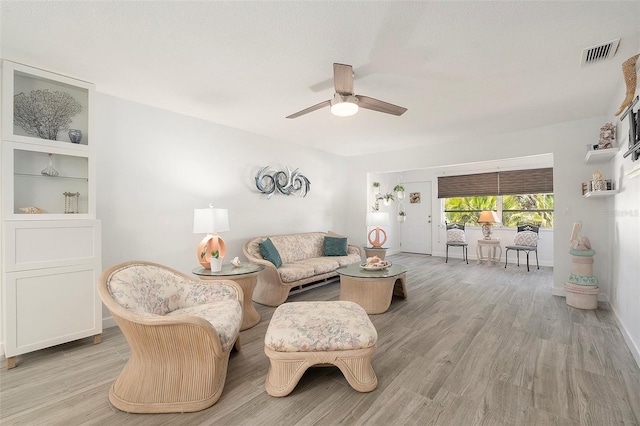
(456,238)
(526,240)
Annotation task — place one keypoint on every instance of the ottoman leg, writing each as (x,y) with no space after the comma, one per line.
(357,369)
(285,370)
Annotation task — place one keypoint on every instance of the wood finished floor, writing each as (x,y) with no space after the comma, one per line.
(472,345)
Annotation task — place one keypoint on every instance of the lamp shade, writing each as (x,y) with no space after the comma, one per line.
(208,221)
(377,219)
(488,216)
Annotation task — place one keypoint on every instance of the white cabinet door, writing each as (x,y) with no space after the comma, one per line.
(47,307)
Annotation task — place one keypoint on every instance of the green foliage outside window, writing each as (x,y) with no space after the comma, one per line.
(512,209)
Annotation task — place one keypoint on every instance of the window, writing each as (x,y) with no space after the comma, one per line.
(517,196)
(512,209)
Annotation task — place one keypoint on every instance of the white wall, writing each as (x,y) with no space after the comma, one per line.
(624,292)
(155,167)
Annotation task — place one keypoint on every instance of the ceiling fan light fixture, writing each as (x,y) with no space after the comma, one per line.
(344,106)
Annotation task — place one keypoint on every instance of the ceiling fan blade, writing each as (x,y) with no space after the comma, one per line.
(343,79)
(381,106)
(310,109)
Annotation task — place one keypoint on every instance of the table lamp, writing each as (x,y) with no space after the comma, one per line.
(487,218)
(210,221)
(377,219)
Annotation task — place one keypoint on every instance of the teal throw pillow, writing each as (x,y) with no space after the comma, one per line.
(334,246)
(270,252)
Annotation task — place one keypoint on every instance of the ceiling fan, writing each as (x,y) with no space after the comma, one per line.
(346,103)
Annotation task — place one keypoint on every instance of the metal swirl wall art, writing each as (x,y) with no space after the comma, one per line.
(288,182)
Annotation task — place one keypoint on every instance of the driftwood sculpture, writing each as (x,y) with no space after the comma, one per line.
(630,80)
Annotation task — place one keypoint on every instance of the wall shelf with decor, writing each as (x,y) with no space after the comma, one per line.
(595,156)
(598,194)
(50,236)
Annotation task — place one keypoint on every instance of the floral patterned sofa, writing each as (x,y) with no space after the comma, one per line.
(304,265)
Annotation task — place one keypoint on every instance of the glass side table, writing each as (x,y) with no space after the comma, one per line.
(246,276)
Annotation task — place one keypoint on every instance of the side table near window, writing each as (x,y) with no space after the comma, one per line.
(246,276)
(492,247)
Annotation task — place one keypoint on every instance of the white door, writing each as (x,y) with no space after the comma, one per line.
(416,230)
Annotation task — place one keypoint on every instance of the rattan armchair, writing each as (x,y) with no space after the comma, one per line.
(181,331)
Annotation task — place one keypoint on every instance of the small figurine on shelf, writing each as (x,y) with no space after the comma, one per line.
(607,136)
(599,183)
(71,202)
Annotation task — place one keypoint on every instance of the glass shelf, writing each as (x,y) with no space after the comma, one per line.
(30,175)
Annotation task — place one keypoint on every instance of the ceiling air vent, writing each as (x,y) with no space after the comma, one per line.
(601,52)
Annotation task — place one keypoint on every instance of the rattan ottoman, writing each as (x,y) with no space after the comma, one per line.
(303,334)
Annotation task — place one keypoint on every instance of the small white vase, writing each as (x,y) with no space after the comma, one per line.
(215,264)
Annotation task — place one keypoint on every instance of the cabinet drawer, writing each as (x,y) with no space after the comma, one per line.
(44,244)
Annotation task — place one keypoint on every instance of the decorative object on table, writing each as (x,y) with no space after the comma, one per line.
(598,182)
(581,287)
(49,170)
(210,221)
(236,262)
(75,135)
(215,263)
(488,218)
(288,182)
(374,263)
(31,210)
(630,80)
(414,197)
(607,136)
(377,219)
(399,189)
(387,198)
(43,113)
(71,202)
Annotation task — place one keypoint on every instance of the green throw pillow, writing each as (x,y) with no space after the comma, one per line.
(334,246)
(270,252)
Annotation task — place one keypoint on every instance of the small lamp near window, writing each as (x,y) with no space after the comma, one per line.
(210,221)
(377,219)
(487,218)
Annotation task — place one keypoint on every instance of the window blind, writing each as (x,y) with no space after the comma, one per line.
(531,181)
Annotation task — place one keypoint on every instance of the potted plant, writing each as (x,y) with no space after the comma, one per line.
(387,198)
(402,216)
(215,263)
(399,188)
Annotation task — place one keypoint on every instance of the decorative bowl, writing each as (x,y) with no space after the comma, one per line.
(376,266)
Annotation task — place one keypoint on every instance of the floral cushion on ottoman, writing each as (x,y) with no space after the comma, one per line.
(320,326)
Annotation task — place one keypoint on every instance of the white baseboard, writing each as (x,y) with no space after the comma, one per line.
(108,322)
(635,351)
(473,257)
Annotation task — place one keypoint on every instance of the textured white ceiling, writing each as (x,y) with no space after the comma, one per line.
(463,69)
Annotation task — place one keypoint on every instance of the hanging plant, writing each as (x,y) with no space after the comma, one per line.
(399,189)
(388,198)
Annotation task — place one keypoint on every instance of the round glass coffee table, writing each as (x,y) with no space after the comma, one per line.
(373,290)
(246,276)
